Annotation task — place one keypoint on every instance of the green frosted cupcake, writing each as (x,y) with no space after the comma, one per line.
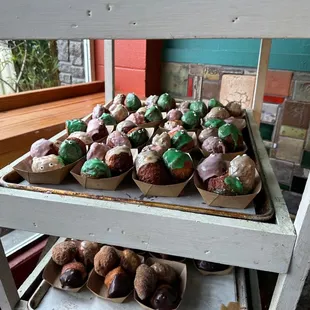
(213,103)
(214,123)
(137,136)
(96,169)
(132,102)
(165,102)
(108,119)
(181,140)
(234,184)
(75,125)
(231,136)
(190,120)
(153,114)
(199,108)
(72,150)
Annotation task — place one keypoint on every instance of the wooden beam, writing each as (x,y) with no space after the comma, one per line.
(262,69)
(109,69)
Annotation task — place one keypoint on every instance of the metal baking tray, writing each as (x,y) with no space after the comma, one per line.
(202,292)
(261,209)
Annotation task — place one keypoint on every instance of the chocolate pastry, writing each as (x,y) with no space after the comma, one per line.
(119,283)
(119,112)
(173,124)
(136,118)
(125,126)
(218,112)
(117,138)
(47,163)
(75,125)
(199,108)
(105,260)
(232,137)
(145,281)
(213,103)
(119,159)
(130,261)
(211,267)
(214,145)
(165,273)
(165,298)
(166,102)
(212,166)
(86,253)
(225,185)
(81,135)
(72,150)
(190,120)
(119,99)
(153,114)
(206,133)
(182,141)
(142,110)
(174,115)
(43,147)
(151,100)
(73,275)
(156,148)
(240,123)
(184,105)
(97,150)
(108,119)
(234,108)
(98,110)
(95,169)
(214,123)
(96,129)
(137,136)
(64,252)
(162,140)
(132,102)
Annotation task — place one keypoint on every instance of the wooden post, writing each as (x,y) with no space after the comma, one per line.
(262,69)
(109,69)
(289,286)
(8,292)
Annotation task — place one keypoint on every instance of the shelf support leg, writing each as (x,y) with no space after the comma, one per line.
(8,292)
(289,286)
(109,70)
(261,74)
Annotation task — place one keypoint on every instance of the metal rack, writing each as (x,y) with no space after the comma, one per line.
(275,247)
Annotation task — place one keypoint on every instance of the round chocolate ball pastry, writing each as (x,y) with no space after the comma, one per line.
(243,168)
(75,125)
(95,169)
(173,124)
(182,141)
(142,110)
(98,110)
(212,166)
(232,137)
(118,282)
(86,253)
(136,118)
(145,281)
(213,103)
(165,273)
(217,112)
(107,119)
(199,107)
(151,169)
(162,140)
(214,123)
(130,261)
(119,159)
(179,164)
(81,135)
(206,133)
(119,113)
(153,114)
(119,99)
(64,252)
(125,126)
(165,102)
(165,297)
(234,108)
(73,275)
(132,102)
(96,129)
(137,136)
(190,120)
(211,267)
(183,105)
(214,145)
(72,150)
(225,185)
(97,150)
(105,260)
(43,147)
(47,163)
(156,148)
(151,100)
(117,138)
(174,115)
(240,123)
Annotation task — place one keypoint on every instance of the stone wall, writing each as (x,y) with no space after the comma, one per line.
(285,116)
(71,61)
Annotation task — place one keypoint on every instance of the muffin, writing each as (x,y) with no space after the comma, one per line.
(119,113)
(75,125)
(117,138)
(72,150)
(106,260)
(199,108)
(95,169)
(119,159)
(98,110)
(137,136)
(182,141)
(43,147)
(97,150)
(165,102)
(212,166)
(153,114)
(173,124)
(206,133)
(64,252)
(214,145)
(218,112)
(119,99)
(132,102)
(136,118)
(213,103)
(174,115)
(231,136)
(108,119)
(190,120)
(81,135)
(234,108)
(73,275)
(125,126)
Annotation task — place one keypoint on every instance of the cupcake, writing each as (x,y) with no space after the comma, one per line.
(174,115)
(97,150)
(173,124)
(98,110)
(96,129)
(119,113)
(182,141)
(142,110)
(160,149)
(117,138)
(95,169)
(136,118)
(81,135)
(137,136)
(43,147)
(162,140)
(47,163)
(234,108)
(213,123)
(119,99)
(190,120)
(125,126)
(153,114)
(218,112)
(240,123)
(119,159)
(231,136)
(214,145)
(72,150)
(184,105)
(75,125)
(165,102)
(73,275)
(132,102)
(151,100)
(213,103)
(206,133)
(199,108)
(108,119)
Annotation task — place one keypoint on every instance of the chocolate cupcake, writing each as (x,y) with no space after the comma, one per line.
(137,136)
(225,185)
(105,260)
(174,115)
(165,273)
(165,297)
(232,137)
(86,253)
(179,164)
(108,119)
(190,120)
(182,141)
(199,108)
(47,163)
(206,133)
(125,126)
(217,112)
(73,275)
(156,148)
(117,138)
(75,125)
(132,102)
(119,113)
(173,124)
(130,261)
(119,159)
(213,103)
(64,252)
(95,169)
(96,129)
(165,102)
(119,99)
(98,110)
(136,118)
(81,135)
(234,108)
(43,147)
(72,150)
(153,114)
(213,123)
(212,166)
(214,145)
(97,150)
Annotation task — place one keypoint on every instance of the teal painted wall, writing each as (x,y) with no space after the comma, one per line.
(286,54)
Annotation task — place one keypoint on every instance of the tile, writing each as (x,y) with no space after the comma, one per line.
(292,201)
(211,73)
(174,78)
(211,90)
(197,87)
(300,171)
(301,76)
(266,131)
(298,185)
(250,71)
(293,132)
(301,91)
(283,170)
(289,149)
(269,113)
(238,88)
(274,99)
(231,70)
(195,69)
(284,187)
(278,83)
(305,162)
(296,114)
